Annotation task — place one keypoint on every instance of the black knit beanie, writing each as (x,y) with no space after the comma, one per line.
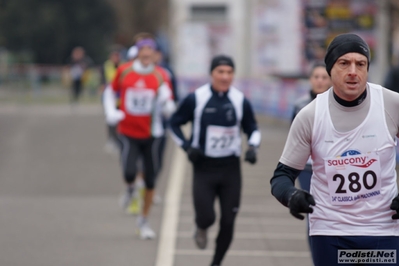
(221,60)
(343,44)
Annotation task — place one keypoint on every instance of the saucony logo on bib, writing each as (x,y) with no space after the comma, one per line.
(347,161)
(358,161)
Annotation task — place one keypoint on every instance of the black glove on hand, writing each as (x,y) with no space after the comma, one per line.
(194,154)
(250,155)
(300,201)
(395,207)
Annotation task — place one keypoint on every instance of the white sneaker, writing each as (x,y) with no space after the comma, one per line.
(145,230)
(126,199)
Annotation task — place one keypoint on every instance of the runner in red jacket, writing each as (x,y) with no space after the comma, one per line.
(145,97)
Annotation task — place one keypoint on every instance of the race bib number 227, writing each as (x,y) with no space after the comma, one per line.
(221,141)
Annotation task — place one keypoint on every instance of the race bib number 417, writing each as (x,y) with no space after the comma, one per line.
(139,101)
(353,178)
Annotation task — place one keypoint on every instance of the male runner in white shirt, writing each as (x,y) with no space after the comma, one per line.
(350,133)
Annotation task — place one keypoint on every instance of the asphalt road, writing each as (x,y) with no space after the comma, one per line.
(59,195)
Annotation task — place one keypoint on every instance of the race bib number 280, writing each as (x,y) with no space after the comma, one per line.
(353,178)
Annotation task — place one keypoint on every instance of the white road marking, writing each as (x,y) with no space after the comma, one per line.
(168,233)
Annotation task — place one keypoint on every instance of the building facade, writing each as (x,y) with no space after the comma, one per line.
(279,38)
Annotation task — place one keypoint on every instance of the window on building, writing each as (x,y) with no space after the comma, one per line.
(208,13)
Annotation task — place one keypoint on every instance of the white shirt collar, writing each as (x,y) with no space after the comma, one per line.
(139,68)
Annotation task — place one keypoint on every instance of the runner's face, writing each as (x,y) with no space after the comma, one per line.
(349,76)
(115,58)
(78,53)
(222,77)
(320,80)
(146,55)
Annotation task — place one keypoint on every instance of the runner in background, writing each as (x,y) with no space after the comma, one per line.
(108,71)
(145,97)
(137,201)
(217,112)
(78,65)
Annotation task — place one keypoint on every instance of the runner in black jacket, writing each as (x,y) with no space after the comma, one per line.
(217,112)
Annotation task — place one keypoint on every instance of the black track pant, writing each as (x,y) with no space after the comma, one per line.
(221,180)
(162,147)
(131,150)
(76,90)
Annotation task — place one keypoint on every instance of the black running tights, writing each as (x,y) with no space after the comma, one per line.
(222,182)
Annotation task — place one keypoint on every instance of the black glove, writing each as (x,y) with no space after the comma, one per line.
(250,155)
(395,207)
(300,201)
(194,154)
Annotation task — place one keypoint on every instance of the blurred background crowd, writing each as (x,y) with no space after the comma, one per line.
(274,43)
